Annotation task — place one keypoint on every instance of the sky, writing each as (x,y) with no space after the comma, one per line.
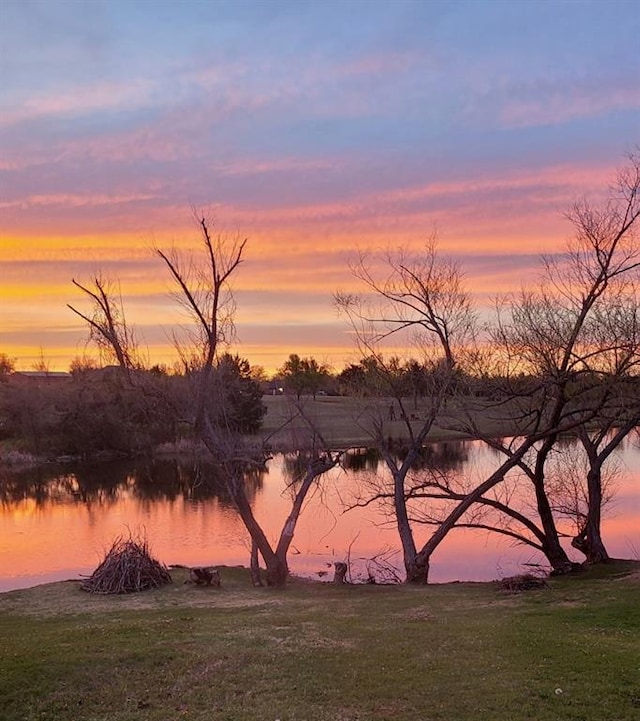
(314,129)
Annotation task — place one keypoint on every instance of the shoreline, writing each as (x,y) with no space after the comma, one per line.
(615,567)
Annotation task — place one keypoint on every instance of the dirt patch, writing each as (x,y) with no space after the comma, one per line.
(418,614)
(634,577)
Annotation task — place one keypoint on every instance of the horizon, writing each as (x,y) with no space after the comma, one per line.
(312,129)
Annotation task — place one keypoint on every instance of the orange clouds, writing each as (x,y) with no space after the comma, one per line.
(297,254)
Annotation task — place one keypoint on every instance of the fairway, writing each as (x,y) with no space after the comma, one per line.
(346,422)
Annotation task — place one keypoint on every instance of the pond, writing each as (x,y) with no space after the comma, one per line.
(57,524)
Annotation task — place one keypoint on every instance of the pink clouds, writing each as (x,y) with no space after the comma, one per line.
(560,105)
(99,96)
(483,205)
(526,204)
(75,200)
(548,100)
(312,131)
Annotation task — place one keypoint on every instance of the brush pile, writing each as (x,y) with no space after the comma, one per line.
(523,582)
(127,567)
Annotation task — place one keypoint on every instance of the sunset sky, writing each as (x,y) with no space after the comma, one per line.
(313,129)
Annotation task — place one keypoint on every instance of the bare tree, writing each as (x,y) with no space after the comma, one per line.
(107,323)
(204,289)
(577,335)
(417,297)
(205,292)
(570,489)
(599,444)
(7,366)
(576,338)
(555,333)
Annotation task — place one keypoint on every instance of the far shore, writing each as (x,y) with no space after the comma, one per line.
(342,422)
(345,422)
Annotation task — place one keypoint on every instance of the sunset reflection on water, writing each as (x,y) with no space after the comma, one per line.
(60,527)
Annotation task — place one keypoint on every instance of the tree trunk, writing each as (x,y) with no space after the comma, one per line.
(418,570)
(276,561)
(255,565)
(277,572)
(589,540)
(340,572)
(312,472)
(409,550)
(551,547)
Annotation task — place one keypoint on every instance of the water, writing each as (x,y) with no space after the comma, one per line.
(57,525)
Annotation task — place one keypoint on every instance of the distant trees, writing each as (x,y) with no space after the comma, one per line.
(411,378)
(304,375)
(7,366)
(29,414)
(242,408)
(110,411)
(95,412)
(107,411)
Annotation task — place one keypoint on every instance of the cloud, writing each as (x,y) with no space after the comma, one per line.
(312,128)
(89,99)
(71,201)
(519,103)
(553,105)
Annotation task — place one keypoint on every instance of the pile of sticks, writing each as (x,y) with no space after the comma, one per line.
(127,567)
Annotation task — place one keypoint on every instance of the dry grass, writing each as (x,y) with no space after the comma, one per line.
(346,422)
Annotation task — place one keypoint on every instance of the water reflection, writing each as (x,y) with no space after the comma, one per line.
(444,456)
(196,480)
(361,459)
(56,522)
(108,483)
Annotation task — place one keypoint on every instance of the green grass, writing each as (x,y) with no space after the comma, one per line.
(316,652)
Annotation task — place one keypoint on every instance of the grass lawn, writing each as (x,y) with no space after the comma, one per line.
(318,652)
(346,422)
